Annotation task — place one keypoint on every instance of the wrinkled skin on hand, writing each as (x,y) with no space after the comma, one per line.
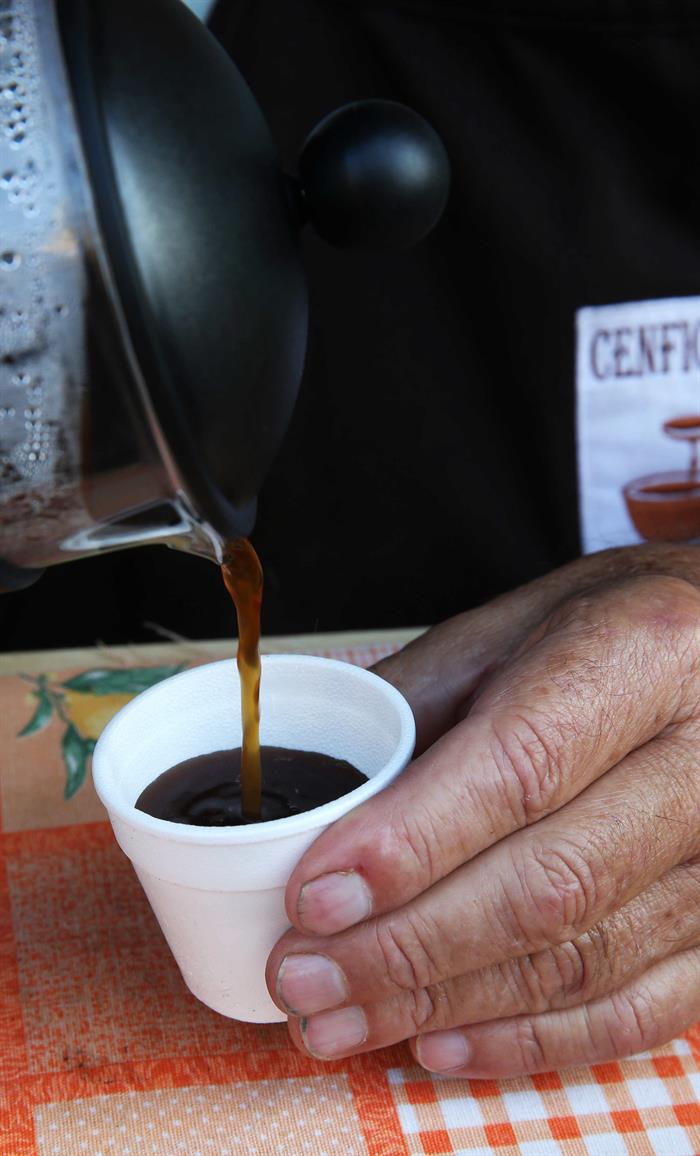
(527,895)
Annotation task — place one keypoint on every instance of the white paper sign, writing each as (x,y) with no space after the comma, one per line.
(637,366)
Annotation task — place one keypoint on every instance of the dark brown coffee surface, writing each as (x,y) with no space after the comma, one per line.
(206,791)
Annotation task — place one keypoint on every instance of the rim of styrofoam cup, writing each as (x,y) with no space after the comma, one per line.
(255,832)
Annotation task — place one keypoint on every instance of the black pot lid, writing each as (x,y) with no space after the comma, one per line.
(201,228)
(198,220)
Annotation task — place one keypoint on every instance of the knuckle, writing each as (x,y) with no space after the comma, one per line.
(415,841)
(606,956)
(651,622)
(527,754)
(632,1023)
(552,897)
(667,609)
(625,946)
(677,597)
(564,891)
(430,1008)
(560,975)
(528,1045)
(569,973)
(406,952)
(519,987)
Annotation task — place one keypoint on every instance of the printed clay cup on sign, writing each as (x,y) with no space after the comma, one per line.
(218,892)
(665,507)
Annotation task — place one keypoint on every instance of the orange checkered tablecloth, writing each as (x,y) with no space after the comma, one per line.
(103,1051)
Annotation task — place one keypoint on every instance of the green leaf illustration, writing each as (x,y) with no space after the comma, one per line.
(76,751)
(41,715)
(127,681)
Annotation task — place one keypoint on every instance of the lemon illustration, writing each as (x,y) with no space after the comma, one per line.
(90,713)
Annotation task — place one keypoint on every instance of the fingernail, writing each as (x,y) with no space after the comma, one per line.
(442,1051)
(333,902)
(334,1033)
(310,983)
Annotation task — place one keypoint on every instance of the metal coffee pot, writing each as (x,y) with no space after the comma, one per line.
(152,297)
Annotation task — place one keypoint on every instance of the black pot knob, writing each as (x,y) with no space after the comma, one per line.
(374,175)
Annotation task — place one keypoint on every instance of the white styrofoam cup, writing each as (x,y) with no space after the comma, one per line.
(218,892)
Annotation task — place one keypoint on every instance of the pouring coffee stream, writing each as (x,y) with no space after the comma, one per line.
(243,577)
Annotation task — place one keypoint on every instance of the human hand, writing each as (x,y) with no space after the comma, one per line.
(526,895)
